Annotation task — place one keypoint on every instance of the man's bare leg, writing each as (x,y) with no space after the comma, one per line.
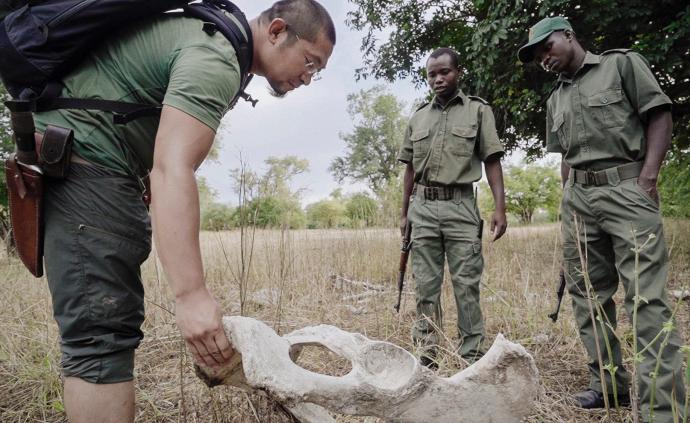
(87,402)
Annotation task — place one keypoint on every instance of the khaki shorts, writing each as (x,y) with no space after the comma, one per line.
(97,235)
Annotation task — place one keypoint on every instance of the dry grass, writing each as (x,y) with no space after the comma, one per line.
(521,269)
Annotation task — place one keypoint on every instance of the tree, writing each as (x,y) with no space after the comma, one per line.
(270,200)
(218,217)
(674,185)
(361,210)
(372,147)
(327,214)
(6,147)
(487,34)
(528,188)
(214,216)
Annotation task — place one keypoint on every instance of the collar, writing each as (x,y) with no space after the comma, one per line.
(458,97)
(591,59)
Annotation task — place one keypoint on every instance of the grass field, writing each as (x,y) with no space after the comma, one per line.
(307,269)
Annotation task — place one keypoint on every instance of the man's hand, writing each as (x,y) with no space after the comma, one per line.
(499,223)
(403,225)
(199,319)
(649,186)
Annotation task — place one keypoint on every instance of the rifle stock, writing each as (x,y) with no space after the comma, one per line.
(404,254)
(560,292)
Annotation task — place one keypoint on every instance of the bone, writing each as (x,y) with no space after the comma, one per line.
(340,282)
(386,381)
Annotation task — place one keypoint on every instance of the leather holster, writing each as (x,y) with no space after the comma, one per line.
(25,189)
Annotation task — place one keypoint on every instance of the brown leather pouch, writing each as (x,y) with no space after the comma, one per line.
(55,151)
(25,189)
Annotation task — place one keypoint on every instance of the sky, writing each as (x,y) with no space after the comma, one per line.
(306,123)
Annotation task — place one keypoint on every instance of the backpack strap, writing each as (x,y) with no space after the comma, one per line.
(123,112)
(212,13)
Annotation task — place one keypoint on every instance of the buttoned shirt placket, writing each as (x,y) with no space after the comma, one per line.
(571,88)
(437,148)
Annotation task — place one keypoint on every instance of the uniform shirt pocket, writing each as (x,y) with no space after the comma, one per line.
(607,107)
(463,140)
(420,142)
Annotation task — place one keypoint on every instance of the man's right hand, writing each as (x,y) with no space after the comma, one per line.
(403,225)
(199,318)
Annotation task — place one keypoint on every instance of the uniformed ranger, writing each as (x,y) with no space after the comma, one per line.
(610,121)
(445,143)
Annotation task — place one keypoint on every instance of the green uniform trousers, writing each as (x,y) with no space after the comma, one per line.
(97,235)
(607,215)
(447,229)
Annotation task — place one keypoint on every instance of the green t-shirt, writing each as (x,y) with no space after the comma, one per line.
(597,119)
(169,60)
(446,145)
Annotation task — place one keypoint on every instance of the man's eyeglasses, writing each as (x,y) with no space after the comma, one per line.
(310,66)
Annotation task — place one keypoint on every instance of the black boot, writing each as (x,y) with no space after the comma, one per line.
(429,362)
(428,359)
(594,399)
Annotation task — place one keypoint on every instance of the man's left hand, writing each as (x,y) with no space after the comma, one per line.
(649,186)
(499,223)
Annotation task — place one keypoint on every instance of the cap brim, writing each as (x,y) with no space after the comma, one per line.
(526,52)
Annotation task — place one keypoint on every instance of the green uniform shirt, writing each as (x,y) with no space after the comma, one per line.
(597,119)
(446,145)
(169,60)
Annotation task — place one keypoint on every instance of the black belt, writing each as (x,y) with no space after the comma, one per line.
(444,193)
(597,178)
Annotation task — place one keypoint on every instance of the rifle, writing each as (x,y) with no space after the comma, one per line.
(561,290)
(404,254)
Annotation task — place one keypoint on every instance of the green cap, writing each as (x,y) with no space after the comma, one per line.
(539,33)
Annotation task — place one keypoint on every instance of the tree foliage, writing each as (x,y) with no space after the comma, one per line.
(528,189)
(532,187)
(674,185)
(361,210)
(215,216)
(270,200)
(327,214)
(6,147)
(372,147)
(488,33)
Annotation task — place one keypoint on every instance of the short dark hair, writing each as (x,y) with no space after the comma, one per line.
(454,56)
(306,17)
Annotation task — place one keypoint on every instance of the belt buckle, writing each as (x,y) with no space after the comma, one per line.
(432,193)
(590,177)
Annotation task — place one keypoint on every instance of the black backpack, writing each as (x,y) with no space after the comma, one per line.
(42,40)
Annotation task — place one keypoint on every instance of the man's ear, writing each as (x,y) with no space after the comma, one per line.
(275,28)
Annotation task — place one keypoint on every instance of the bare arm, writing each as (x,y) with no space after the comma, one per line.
(408,184)
(658,134)
(494,175)
(182,143)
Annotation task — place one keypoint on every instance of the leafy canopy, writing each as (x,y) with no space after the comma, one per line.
(372,147)
(488,33)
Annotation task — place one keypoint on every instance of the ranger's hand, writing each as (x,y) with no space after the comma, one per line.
(649,186)
(403,225)
(199,316)
(499,223)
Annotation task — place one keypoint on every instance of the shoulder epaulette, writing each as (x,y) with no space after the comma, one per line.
(617,50)
(479,99)
(421,106)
